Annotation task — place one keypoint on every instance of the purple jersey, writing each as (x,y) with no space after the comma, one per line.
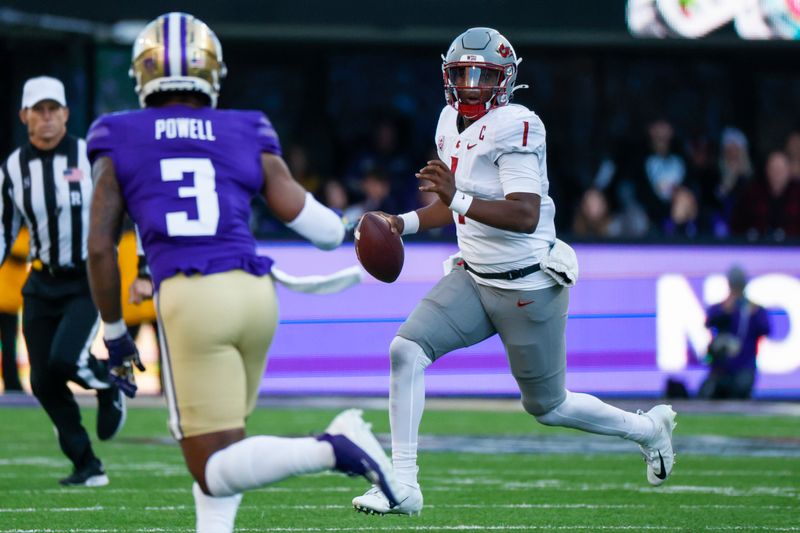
(748,322)
(187,176)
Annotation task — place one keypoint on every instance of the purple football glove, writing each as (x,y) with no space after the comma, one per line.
(122,357)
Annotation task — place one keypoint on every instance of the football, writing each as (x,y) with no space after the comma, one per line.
(379,250)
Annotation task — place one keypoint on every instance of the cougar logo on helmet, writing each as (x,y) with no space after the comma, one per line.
(177,52)
(503,50)
(480,71)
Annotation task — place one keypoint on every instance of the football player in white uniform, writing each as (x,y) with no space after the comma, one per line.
(491,180)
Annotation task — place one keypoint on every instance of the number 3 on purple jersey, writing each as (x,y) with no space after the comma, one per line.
(204,191)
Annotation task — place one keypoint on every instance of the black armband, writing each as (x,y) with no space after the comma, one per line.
(142,268)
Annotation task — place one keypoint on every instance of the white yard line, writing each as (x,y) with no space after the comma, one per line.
(320,507)
(445,485)
(451,484)
(535,473)
(48,462)
(433,473)
(460,527)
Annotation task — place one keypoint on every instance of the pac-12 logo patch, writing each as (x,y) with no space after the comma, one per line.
(440,142)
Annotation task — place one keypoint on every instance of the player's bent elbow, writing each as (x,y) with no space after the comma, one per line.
(528,224)
(318,224)
(330,238)
(531,220)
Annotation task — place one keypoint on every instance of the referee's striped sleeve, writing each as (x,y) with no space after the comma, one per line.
(10,217)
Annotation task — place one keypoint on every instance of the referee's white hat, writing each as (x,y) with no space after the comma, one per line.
(42,88)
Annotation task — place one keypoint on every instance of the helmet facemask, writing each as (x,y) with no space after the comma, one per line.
(474,88)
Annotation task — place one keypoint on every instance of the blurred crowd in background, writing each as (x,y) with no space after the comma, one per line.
(693,188)
(663,141)
(660,186)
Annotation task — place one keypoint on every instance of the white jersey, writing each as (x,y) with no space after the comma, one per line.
(473,157)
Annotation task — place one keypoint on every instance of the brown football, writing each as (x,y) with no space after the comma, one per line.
(378,249)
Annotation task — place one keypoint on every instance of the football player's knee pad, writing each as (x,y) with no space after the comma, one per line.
(544,409)
(407,354)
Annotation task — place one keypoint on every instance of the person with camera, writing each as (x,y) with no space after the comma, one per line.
(736,324)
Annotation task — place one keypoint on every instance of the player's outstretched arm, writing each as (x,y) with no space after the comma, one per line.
(434,215)
(105,226)
(297,208)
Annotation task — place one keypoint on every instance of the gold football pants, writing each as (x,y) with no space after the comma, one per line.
(215,333)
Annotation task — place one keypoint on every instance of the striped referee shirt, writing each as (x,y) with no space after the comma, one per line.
(51,193)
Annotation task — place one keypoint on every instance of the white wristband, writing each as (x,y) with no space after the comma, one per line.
(410,222)
(114,330)
(461,202)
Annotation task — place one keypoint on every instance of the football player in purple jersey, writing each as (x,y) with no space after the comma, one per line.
(185,172)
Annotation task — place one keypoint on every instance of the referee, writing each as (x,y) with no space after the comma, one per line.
(46,183)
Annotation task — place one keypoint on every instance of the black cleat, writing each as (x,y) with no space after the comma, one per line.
(91,475)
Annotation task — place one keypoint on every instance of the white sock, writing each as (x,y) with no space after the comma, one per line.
(585,412)
(215,515)
(257,461)
(406,404)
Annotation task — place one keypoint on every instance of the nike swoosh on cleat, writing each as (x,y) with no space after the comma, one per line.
(399,503)
(663,474)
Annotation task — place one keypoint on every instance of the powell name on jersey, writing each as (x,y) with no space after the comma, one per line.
(473,156)
(188,175)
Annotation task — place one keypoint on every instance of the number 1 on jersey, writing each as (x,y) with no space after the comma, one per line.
(453,167)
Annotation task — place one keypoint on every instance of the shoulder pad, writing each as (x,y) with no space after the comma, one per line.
(99,139)
(518,130)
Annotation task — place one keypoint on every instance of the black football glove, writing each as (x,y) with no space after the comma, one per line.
(122,357)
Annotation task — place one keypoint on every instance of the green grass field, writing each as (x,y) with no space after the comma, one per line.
(734,473)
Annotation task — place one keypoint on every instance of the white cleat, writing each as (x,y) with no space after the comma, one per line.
(358,452)
(375,502)
(658,454)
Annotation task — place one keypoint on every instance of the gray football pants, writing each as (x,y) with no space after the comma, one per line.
(457,312)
